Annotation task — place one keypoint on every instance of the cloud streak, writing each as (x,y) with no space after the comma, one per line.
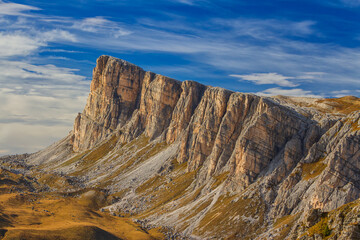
(42,56)
(14,9)
(267,78)
(18,44)
(100,25)
(296,92)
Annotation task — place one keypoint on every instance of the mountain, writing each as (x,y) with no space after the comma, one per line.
(204,162)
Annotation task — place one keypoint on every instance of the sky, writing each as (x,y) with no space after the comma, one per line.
(48,49)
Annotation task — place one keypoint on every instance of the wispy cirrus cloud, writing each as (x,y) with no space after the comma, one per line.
(266,29)
(18,44)
(341,93)
(41,54)
(58,35)
(100,25)
(267,78)
(295,92)
(38,101)
(14,9)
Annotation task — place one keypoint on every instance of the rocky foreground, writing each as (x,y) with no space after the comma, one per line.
(204,162)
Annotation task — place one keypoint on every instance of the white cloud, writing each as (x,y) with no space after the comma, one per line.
(341,93)
(38,104)
(33,116)
(296,92)
(18,44)
(56,35)
(50,74)
(311,75)
(267,78)
(16,138)
(14,9)
(101,25)
(266,29)
(30,90)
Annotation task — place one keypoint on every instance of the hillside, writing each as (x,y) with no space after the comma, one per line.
(202,161)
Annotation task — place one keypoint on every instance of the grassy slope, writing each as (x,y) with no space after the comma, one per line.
(52,216)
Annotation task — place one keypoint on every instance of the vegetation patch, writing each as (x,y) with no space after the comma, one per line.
(48,216)
(192,197)
(54,181)
(345,105)
(74,159)
(90,159)
(234,217)
(355,126)
(219,179)
(195,211)
(285,224)
(170,191)
(112,198)
(312,170)
(151,184)
(146,151)
(321,228)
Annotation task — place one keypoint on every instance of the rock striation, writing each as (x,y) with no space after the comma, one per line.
(199,158)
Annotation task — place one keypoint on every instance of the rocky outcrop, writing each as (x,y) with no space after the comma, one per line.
(238,132)
(120,92)
(203,152)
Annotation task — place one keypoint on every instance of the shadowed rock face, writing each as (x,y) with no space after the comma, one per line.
(278,156)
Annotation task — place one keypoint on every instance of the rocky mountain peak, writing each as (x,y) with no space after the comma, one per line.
(199,158)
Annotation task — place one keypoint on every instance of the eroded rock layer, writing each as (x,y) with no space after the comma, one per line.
(208,161)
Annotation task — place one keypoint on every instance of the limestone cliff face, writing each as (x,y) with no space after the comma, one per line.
(218,130)
(120,92)
(240,133)
(227,152)
(114,93)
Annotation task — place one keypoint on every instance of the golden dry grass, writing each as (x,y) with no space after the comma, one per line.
(29,215)
(219,220)
(219,179)
(345,105)
(52,217)
(285,224)
(311,170)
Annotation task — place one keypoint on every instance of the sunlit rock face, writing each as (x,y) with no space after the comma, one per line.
(209,157)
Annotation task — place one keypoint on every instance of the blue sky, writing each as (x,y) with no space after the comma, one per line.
(48,50)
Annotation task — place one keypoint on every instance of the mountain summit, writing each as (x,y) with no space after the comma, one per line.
(211,163)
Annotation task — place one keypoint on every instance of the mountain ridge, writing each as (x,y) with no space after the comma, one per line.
(208,161)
